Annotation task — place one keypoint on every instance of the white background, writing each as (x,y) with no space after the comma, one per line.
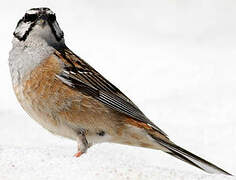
(175,60)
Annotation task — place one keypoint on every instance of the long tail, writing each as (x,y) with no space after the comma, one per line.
(189,157)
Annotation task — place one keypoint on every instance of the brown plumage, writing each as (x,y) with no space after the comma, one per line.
(65,106)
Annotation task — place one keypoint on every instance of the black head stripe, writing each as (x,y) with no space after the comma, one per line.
(51,18)
(40,9)
(30,17)
(19,35)
(54,28)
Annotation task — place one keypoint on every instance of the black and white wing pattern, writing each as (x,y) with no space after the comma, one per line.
(81,76)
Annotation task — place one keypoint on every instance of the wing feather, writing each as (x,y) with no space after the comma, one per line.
(81,76)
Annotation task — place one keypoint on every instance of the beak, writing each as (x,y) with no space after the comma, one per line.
(42,20)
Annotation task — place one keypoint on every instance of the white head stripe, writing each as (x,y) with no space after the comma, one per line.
(35,11)
(32,11)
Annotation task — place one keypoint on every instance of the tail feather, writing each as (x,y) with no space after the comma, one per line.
(189,157)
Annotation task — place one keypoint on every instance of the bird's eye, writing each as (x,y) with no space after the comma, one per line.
(30,17)
(51,17)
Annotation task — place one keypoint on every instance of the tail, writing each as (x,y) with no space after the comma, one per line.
(189,157)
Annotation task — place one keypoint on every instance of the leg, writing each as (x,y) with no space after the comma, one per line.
(82,144)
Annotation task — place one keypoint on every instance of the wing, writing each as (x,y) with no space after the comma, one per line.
(81,76)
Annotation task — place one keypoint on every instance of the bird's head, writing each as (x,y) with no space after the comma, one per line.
(39,23)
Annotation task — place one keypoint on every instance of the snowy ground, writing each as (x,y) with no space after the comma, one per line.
(175,60)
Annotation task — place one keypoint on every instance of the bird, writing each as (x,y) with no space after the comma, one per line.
(69,98)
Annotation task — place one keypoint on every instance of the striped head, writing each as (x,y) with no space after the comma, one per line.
(39,23)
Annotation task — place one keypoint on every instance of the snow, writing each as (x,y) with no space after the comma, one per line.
(176,61)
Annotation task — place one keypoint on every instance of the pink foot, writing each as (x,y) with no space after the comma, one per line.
(78,154)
